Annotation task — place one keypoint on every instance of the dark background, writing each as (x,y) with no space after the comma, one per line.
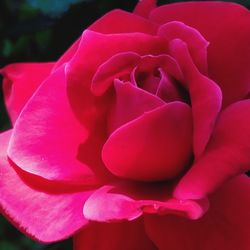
(41,30)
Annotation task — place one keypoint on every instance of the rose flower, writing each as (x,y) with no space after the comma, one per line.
(138,137)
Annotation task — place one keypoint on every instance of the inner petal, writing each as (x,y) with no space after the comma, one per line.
(156,146)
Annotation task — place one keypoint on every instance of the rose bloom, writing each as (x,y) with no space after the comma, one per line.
(138,137)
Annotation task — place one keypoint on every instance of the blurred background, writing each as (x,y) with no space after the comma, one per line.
(41,30)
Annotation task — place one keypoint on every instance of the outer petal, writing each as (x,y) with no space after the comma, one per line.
(155,146)
(196,43)
(113,236)
(129,200)
(128,22)
(144,7)
(227,154)
(44,216)
(20,81)
(205,96)
(226,27)
(108,24)
(225,226)
(47,136)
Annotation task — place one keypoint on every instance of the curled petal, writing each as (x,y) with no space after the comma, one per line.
(227,154)
(197,45)
(228,38)
(44,216)
(224,226)
(117,66)
(128,201)
(205,95)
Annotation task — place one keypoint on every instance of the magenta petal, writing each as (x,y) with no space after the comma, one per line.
(225,225)
(113,236)
(47,136)
(144,7)
(128,201)
(130,103)
(44,216)
(20,81)
(117,66)
(205,96)
(128,22)
(226,27)
(156,146)
(196,43)
(226,156)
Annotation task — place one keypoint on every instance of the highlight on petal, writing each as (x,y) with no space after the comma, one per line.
(225,225)
(44,216)
(144,7)
(227,154)
(20,82)
(228,38)
(205,95)
(46,137)
(196,43)
(155,146)
(112,236)
(128,201)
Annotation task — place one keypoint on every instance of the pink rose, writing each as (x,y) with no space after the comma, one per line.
(139,134)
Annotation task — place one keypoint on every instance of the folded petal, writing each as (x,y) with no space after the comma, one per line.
(44,216)
(113,236)
(205,96)
(155,146)
(196,43)
(47,136)
(227,154)
(226,27)
(225,225)
(129,200)
(129,103)
(118,66)
(20,82)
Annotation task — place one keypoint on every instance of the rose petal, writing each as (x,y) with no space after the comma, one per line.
(227,154)
(128,201)
(128,22)
(156,146)
(117,66)
(98,48)
(225,225)
(130,103)
(205,96)
(226,27)
(144,7)
(196,43)
(20,81)
(47,136)
(44,216)
(103,236)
